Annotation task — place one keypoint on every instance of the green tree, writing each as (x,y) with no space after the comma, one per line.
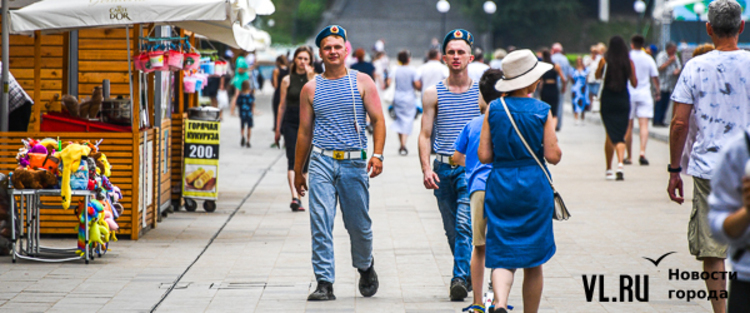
(296,19)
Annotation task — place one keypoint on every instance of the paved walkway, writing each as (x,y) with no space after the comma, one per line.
(260,262)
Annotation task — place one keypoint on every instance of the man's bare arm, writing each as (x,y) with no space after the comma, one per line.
(429,107)
(371,101)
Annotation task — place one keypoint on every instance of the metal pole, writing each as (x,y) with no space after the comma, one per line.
(130,78)
(6,70)
(444,14)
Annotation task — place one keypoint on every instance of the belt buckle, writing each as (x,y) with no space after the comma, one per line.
(338,155)
(451,162)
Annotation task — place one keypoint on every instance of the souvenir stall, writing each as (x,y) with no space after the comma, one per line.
(128,77)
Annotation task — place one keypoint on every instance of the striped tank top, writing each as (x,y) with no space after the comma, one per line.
(334,114)
(454,111)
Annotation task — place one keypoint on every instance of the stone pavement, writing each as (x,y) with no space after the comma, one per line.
(260,262)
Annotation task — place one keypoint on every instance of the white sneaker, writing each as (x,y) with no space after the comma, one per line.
(610,175)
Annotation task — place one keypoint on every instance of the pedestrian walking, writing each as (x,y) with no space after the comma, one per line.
(288,116)
(558,58)
(19,106)
(382,70)
(281,71)
(714,87)
(245,100)
(592,63)
(728,216)
(432,71)
(615,70)
(519,199)
(449,106)
(669,70)
(550,93)
(467,145)
(404,99)
(641,97)
(338,100)
(361,65)
(579,94)
(477,67)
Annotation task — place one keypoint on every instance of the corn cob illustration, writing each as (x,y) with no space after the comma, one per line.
(203,179)
(194,175)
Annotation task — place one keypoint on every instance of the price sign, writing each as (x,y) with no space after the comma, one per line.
(201,172)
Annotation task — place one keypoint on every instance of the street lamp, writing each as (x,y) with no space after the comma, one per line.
(639,7)
(699,8)
(443,7)
(489,8)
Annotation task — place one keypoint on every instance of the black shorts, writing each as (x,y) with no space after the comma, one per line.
(212,88)
(246,121)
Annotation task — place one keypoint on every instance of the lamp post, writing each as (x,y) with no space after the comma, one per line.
(443,7)
(699,8)
(489,8)
(639,7)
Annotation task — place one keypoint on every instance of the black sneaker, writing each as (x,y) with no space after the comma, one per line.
(627,162)
(459,289)
(368,281)
(643,160)
(620,175)
(497,310)
(323,292)
(242,142)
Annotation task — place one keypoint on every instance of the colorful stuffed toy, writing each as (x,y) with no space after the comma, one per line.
(33,179)
(71,157)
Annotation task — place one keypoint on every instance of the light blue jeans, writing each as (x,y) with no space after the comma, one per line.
(453,202)
(347,181)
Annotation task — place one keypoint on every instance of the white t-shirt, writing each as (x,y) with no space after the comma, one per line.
(645,69)
(431,73)
(717,84)
(476,69)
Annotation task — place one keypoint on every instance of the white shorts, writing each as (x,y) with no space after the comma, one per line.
(641,107)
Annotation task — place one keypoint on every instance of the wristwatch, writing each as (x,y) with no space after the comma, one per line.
(674,170)
(379,157)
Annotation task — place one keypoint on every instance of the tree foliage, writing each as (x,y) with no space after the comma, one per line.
(295,19)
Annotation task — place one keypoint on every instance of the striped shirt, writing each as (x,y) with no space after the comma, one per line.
(334,114)
(454,111)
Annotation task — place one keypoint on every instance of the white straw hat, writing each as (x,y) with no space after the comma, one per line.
(521,68)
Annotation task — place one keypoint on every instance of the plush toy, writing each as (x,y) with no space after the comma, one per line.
(71,105)
(71,157)
(90,108)
(35,149)
(102,164)
(95,211)
(33,179)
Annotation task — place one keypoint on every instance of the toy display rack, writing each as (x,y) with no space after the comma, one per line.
(25,217)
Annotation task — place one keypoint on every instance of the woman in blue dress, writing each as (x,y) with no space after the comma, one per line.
(579,90)
(519,199)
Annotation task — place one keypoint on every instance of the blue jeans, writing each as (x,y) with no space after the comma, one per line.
(347,181)
(661,107)
(453,202)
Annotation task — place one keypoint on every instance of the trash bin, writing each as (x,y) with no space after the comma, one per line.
(200,174)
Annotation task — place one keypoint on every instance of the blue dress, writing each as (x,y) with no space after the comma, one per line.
(579,95)
(519,200)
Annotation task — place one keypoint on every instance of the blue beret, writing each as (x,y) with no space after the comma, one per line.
(458,34)
(332,30)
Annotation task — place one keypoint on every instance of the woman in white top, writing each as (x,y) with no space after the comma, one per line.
(404,100)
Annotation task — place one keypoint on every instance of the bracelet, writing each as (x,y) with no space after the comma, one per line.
(674,170)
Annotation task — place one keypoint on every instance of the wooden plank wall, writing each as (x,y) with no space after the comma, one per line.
(178,121)
(150,209)
(165,179)
(103,55)
(51,69)
(118,149)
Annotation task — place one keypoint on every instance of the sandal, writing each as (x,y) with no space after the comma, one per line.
(296,205)
(474,308)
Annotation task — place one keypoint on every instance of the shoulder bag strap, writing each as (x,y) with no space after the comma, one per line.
(513,122)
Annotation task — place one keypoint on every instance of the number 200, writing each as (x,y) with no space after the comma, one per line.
(201,152)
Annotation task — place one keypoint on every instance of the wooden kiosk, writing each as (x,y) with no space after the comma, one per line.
(145,161)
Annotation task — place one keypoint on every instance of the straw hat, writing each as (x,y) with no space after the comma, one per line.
(521,68)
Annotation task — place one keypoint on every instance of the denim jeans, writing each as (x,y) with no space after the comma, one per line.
(453,202)
(661,107)
(347,181)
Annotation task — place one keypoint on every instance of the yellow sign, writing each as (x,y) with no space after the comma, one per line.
(201,172)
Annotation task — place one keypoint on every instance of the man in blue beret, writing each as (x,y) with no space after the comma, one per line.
(333,109)
(448,107)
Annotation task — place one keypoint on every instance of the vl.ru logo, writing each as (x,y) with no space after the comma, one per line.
(118,13)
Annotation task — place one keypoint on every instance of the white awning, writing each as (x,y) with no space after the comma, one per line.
(221,20)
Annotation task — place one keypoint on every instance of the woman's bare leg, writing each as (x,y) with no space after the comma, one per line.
(609,152)
(290,177)
(502,280)
(533,283)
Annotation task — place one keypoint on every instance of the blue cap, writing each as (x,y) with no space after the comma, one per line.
(332,30)
(458,34)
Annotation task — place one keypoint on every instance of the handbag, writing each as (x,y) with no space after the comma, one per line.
(561,212)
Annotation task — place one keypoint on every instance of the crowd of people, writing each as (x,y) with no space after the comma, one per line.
(488,132)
